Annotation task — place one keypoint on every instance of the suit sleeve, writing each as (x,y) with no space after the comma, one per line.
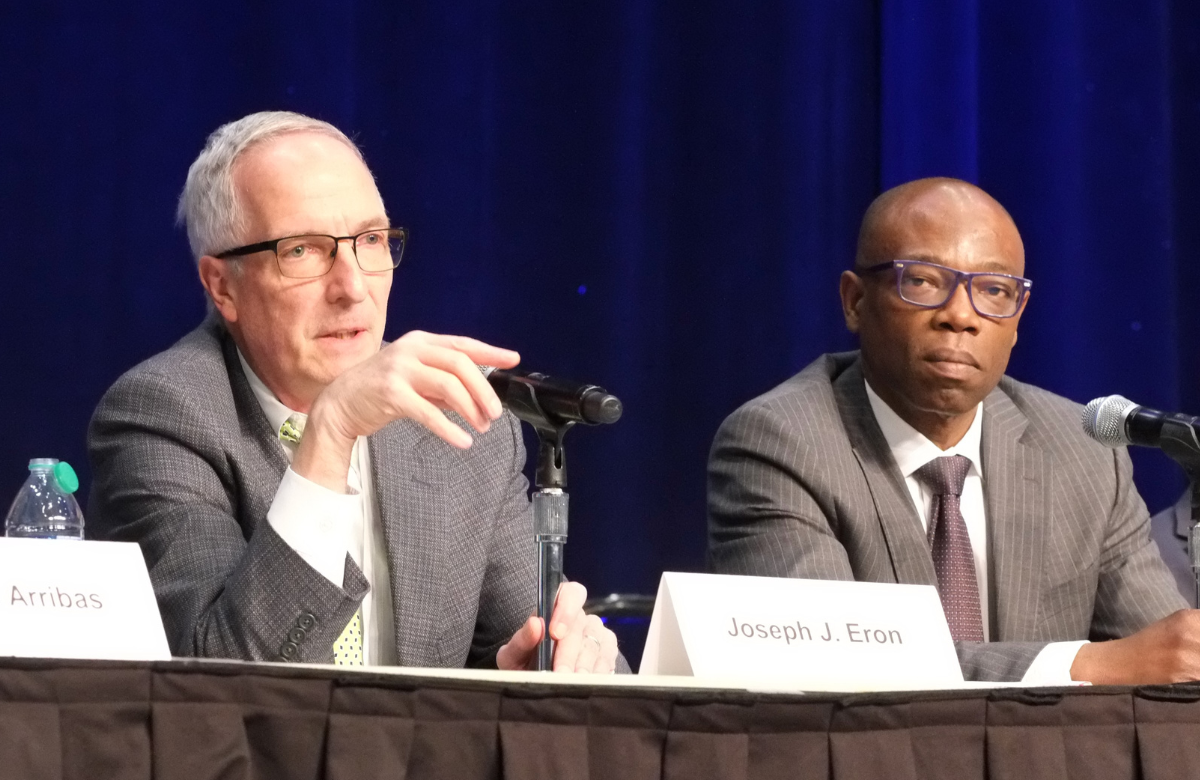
(1134,587)
(763,518)
(163,479)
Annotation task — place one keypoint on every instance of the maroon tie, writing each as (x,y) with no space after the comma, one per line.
(951,547)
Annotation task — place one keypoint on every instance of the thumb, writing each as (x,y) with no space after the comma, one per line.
(518,653)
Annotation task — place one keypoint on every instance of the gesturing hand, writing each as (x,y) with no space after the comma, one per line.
(417,376)
(584,644)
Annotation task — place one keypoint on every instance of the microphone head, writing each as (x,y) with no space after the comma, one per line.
(485,370)
(1104,420)
(600,408)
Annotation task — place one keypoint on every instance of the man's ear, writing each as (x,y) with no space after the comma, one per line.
(852,291)
(218,279)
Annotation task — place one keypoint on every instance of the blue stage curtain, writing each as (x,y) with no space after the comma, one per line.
(656,197)
(1067,113)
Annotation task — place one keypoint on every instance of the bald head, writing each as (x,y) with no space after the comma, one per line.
(942,205)
(933,364)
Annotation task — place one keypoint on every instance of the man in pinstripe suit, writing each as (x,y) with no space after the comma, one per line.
(294,483)
(818,477)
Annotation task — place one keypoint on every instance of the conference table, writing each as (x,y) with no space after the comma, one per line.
(216,719)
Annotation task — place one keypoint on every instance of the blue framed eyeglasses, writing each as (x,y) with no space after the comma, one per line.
(930,286)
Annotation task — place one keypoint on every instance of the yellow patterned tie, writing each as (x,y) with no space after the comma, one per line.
(292,429)
(348,648)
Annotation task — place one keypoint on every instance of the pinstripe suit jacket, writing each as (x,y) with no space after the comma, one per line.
(801,483)
(186,464)
(1169,529)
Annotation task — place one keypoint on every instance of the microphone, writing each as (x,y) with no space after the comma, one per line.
(1115,421)
(530,396)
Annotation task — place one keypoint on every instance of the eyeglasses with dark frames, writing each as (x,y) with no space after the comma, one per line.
(930,286)
(308,256)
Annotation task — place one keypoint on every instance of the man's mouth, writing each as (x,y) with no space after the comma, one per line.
(343,334)
(953,365)
(956,356)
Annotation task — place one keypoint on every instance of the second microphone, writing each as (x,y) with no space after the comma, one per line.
(566,400)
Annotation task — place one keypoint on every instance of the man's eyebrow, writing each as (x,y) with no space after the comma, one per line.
(990,266)
(373,222)
(997,266)
(922,258)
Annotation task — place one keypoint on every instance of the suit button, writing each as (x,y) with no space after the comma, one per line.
(297,635)
(289,650)
(306,621)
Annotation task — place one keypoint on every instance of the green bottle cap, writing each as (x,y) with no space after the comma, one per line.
(65,476)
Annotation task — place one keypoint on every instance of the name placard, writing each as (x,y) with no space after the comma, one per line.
(817,635)
(76,599)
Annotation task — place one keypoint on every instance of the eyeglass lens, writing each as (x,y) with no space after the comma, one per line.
(303,257)
(931,285)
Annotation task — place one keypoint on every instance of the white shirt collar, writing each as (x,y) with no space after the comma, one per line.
(912,449)
(272,407)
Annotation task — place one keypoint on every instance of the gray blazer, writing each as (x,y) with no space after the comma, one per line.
(186,465)
(801,483)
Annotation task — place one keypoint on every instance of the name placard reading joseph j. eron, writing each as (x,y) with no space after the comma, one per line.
(75,599)
(817,635)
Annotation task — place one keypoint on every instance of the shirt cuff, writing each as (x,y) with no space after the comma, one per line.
(313,520)
(1052,666)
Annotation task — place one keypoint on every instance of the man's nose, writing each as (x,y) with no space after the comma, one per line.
(958,313)
(345,276)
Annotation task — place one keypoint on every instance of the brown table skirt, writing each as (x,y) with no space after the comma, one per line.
(69,719)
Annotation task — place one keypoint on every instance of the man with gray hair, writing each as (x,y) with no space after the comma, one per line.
(297,487)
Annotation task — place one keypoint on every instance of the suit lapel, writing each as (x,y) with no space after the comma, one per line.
(261,480)
(413,509)
(898,520)
(1016,478)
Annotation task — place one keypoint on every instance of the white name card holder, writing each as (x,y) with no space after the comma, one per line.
(77,599)
(789,634)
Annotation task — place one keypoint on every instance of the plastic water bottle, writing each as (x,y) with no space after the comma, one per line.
(45,507)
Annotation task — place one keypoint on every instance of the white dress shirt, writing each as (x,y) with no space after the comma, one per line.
(912,450)
(324,526)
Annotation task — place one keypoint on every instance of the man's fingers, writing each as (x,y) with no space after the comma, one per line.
(447,390)
(568,608)
(590,646)
(608,654)
(432,418)
(519,652)
(566,625)
(479,352)
(598,651)
(567,649)
(586,646)
(458,365)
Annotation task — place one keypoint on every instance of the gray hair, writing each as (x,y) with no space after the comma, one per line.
(209,206)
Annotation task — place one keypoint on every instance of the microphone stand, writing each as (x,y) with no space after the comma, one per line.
(1178,440)
(550,503)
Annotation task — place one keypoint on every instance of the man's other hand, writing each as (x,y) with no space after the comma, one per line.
(583,643)
(1167,651)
